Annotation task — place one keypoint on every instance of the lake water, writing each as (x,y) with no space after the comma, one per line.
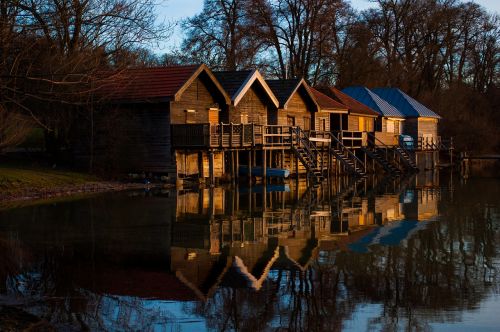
(414,254)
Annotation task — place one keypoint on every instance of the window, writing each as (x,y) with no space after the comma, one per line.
(190,116)
(290,121)
(244,118)
(390,126)
(323,124)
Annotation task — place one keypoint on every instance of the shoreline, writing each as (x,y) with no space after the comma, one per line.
(67,191)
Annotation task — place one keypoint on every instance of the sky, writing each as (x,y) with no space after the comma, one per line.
(174,10)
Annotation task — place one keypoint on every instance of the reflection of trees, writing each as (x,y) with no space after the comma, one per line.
(436,274)
(440,271)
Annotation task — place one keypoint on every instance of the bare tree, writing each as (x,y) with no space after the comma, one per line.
(52,50)
(220,35)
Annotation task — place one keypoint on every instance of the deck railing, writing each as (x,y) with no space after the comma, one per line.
(352,139)
(229,135)
(431,143)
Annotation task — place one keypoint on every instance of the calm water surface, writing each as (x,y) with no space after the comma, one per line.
(415,254)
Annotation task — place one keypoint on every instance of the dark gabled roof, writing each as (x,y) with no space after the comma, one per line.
(284,89)
(354,106)
(406,104)
(237,83)
(232,81)
(371,99)
(142,84)
(328,104)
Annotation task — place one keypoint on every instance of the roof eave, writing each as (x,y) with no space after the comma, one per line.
(254,75)
(203,68)
(310,94)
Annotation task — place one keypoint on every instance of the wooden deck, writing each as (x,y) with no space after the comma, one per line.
(230,135)
(241,136)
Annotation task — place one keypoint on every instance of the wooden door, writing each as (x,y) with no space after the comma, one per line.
(213,115)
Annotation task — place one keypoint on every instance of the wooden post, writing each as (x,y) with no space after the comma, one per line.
(221,134)
(364,154)
(250,164)
(231,135)
(211,167)
(233,175)
(264,166)
(242,134)
(237,164)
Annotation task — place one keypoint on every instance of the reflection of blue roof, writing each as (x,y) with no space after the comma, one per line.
(371,99)
(389,235)
(406,104)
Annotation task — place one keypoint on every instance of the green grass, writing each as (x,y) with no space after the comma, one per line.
(14,180)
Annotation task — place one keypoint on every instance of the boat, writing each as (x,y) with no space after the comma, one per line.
(270,172)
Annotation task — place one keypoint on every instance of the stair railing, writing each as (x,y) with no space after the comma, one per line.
(305,143)
(379,142)
(343,149)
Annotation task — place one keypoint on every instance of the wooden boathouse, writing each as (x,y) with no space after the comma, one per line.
(189,122)
(420,122)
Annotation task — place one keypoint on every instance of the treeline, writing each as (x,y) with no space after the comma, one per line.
(53,54)
(444,52)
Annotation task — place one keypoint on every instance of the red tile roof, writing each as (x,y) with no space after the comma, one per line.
(352,104)
(146,83)
(327,103)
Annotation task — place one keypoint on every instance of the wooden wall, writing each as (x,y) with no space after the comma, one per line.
(322,121)
(252,108)
(127,138)
(395,123)
(360,123)
(428,126)
(200,97)
(418,127)
(353,123)
(298,109)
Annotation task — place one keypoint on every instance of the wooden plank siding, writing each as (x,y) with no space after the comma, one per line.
(199,98)
(428,126)
(129,138)
(298,109)
(322,121)
(252,108)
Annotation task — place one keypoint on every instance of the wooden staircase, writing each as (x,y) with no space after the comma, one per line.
(307,153)
(407,158)
(377,154)
(379,151)
(352,163)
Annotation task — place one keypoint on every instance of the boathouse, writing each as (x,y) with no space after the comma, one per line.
(327,108)
(420,122)
(297,104)
(390,120)
(350,127)
(133,125)
(252,101)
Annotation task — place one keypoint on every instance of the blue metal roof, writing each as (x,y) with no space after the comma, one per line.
(367,97)
(406,104)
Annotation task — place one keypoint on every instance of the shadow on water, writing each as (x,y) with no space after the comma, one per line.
(385,254)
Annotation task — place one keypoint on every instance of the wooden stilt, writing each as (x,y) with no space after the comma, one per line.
(250,164)
(211,167)
(264,166)
(237,166)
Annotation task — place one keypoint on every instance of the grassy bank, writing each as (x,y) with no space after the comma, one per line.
(18,183)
